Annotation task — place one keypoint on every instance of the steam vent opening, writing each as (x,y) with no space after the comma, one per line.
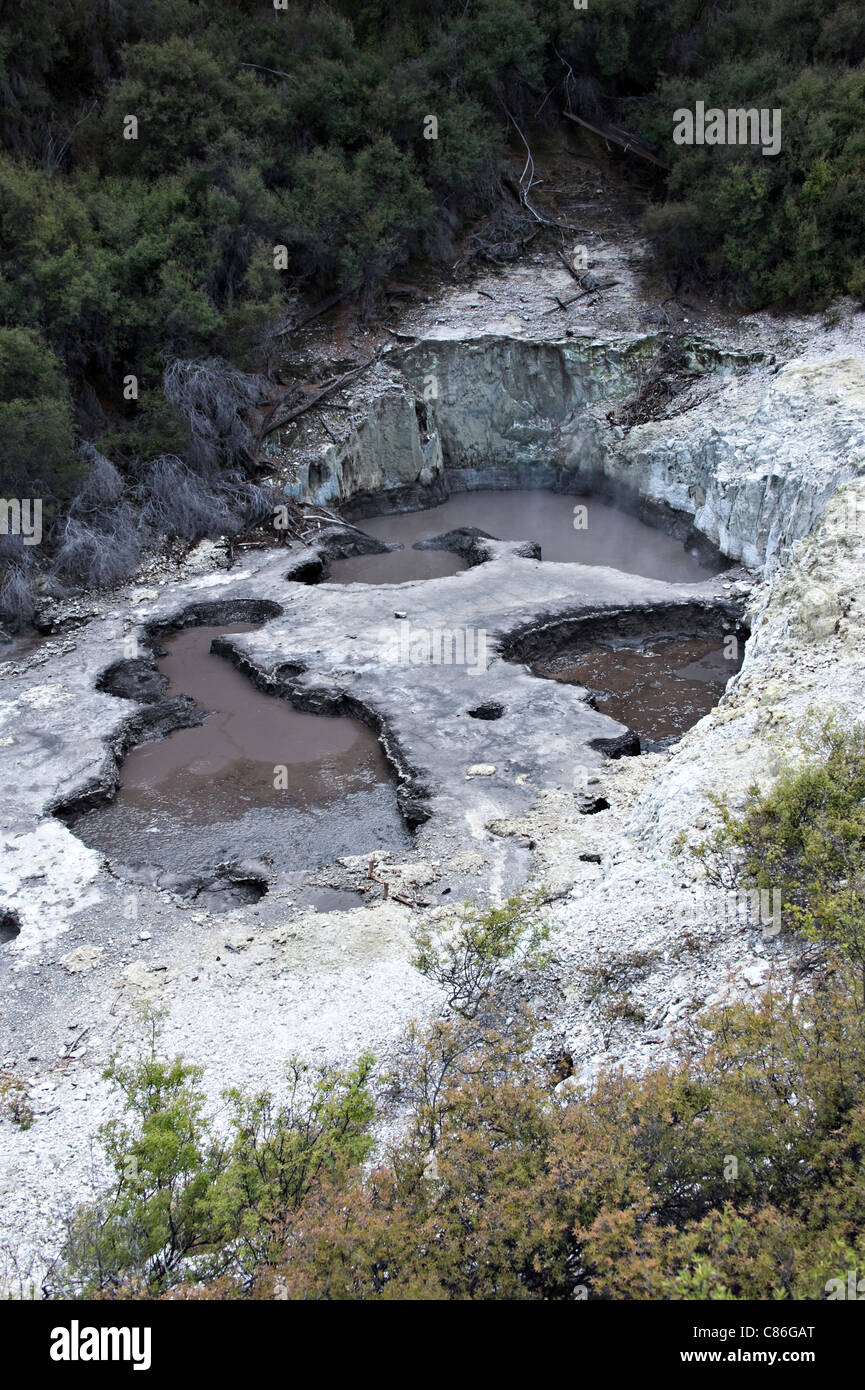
(256,787)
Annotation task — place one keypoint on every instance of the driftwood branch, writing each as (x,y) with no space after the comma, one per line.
(275,72)
(397,897)
(527,177)
(53,158)
(527,182)
(587,282)
(565,304)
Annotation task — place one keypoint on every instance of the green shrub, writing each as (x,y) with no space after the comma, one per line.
(805,837)
(14,1100)
(468,956)
(188,1200)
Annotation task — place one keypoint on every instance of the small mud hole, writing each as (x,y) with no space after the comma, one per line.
(488,711)
(258,780)
(10,927)
(602,534)
(227,890)
(659,688)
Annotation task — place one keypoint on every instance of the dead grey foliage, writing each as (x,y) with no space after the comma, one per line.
(100,540)
(178,502)
(92,558)
(17,597)
(251,503)
(214,398)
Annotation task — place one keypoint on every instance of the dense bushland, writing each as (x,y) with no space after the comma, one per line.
(736,1172)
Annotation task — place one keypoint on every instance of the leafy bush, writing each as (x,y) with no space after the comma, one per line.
(38,457)
(467,956)
(14,1101)
(733,1173)
(188,1200)
(805,837)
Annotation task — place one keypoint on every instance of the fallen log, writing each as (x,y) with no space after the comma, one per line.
(320,308)
(624,138)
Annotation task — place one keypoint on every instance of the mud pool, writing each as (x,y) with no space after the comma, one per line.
(204,811)
(257,789)
(601,534)
(659,689)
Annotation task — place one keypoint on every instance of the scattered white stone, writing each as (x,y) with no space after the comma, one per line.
(755,975)
(144,976)
(468,861)
(81,959)
(417,875)
(204,557)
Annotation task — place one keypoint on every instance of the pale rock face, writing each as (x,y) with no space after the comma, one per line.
(389,449)
(753,463)
(757,463)
(805,658)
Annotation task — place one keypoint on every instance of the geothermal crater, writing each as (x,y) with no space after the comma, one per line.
(493,600)
(261,757)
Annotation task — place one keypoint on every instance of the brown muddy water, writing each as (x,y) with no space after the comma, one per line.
(659,689)
(206,796)
(609,537)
